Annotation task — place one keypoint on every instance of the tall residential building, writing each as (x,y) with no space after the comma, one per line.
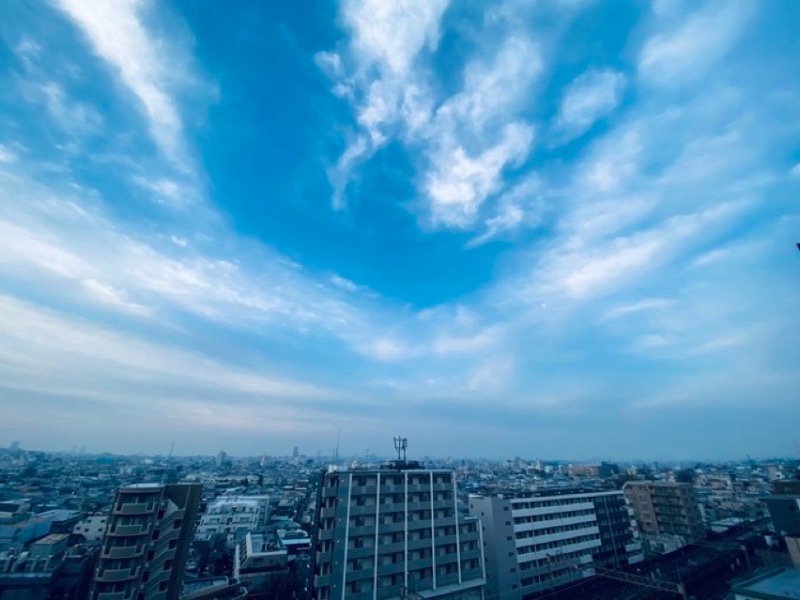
(662,507)
(536,541)
(395,532)
(146,542)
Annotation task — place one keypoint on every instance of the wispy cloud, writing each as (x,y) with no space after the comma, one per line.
(682,53)
(466,140)
(590,97)
(151,68)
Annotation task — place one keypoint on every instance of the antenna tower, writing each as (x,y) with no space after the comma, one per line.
(400,444)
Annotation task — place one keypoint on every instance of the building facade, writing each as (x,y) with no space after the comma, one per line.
(666,509)
(536,541)
(395,532)
(144,549)
(234,517)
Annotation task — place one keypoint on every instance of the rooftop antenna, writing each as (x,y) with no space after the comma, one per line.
(400,444)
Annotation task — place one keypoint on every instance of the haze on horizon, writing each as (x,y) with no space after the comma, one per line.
(546,229)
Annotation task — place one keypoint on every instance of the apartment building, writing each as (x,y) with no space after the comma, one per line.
(395,532)
(536,541)
(666,508)
(146,542)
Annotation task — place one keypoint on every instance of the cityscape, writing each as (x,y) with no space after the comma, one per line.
(399,300)
(105,527)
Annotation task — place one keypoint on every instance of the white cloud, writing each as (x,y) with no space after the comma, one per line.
(522,205)
(6,155)
(384,82)
(149,67)
(71,356)
(389,35)
(637,307)
(68,114)
(684,53)
(468,142)
(590,97)
(458,184)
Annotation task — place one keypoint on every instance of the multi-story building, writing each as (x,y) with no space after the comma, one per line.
(234,517)
(395,532)
(536,541)
(665,508)
(92,528)
(146,542)
(47,569)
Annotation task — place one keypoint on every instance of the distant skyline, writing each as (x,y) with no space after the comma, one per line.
(552,228)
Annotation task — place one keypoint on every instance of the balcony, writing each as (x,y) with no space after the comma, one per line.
(120,552)
(113,575)
(127,530)
(135,508)
(113,596)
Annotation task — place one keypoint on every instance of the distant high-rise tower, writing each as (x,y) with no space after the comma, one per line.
(296,452)
(395,532)
(146,542)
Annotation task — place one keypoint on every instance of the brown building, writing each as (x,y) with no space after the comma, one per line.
(662,507)
(146,542)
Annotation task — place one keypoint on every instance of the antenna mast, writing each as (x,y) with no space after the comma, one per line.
(400,444)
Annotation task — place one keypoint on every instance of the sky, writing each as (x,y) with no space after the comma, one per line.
(548,229)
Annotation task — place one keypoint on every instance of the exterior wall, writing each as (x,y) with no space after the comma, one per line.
(666,508)
(146,543)
(785,513)
(542,540)
(618,547)
(502,567)
(383,533)
(92,527)
(229,515)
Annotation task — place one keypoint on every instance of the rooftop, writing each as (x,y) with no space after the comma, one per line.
(773,585)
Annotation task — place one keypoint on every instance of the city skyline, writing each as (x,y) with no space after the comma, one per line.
(517,229)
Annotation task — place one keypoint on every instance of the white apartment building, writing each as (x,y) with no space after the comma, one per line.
(233,516)
(536,541)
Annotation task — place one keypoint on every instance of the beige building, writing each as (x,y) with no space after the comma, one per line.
(664,508)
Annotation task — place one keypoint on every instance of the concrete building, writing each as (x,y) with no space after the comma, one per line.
(48,569)
(665,509)
(146,543)
(234,516)
(535,541)
(776,584)
(257,559)
(784,510)
(214,588)
(92,528)
(393,532)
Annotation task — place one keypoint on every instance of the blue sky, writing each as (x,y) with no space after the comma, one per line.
(548,229)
